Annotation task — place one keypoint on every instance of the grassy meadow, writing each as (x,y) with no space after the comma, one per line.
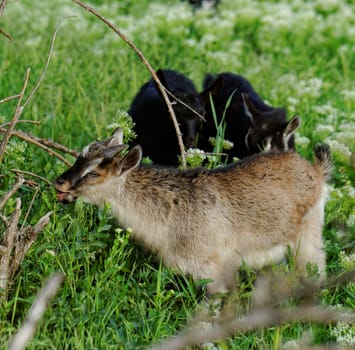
(298,54)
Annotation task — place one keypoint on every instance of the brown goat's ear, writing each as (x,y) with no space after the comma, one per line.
(115,139)
(250,110)
(292,125)
(111,152)
(131,160)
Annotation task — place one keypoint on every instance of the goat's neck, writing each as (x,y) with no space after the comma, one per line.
(140,202)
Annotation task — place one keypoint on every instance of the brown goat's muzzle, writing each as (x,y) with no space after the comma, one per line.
(65,197)
(64,194)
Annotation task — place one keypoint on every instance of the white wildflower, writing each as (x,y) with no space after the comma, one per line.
(323,131)
(344,333)
(324,128)
(348,94)
(347,261)
(192,152)
(302,140)
(351,220)
(50,252)
(339,150)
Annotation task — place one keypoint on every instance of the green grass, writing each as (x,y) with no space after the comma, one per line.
(297,54)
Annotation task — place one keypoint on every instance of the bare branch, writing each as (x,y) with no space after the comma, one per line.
(30,207)
(2,6)
(37,141)
(23,121)
(7,99)
(20,108)
(5,34)
(44,71)
(26,237)
(260,318)
(28,329)
(9,194)
(43,143)
(184,104)
(7,244)
(23,172)
(268,312)
(16,116)
(151,70)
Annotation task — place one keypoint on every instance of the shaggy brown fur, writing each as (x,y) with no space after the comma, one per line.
(208,222)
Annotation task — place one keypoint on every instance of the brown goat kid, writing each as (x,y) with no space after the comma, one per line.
(206,223)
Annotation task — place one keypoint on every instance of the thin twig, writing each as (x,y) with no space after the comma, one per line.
(7,244)
(10,98)
(184,104)
(2,6)
(34,140)
(28,329)
(44,71)
(29,207)
(43,143)
(16,116)
(23,121)
(151,70)
(5,34)
(10,193)
(23,172)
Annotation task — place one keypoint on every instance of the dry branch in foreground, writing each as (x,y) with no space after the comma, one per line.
(16,240)
(268,313)
(28,329)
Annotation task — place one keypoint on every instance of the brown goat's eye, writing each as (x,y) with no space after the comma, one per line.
(93,174)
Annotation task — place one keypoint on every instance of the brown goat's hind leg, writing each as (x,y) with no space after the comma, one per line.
(310,248)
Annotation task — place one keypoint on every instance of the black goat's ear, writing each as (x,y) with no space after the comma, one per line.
(161,77)
(131,160)
(292,125)
(212,88)
(250,110)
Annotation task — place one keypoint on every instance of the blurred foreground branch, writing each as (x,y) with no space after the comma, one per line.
(2,8)
(28,329)
(267,312)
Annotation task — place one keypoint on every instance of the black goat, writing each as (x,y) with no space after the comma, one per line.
(153,125)
(251,124)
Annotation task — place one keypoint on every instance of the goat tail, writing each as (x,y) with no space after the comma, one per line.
(323,160)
